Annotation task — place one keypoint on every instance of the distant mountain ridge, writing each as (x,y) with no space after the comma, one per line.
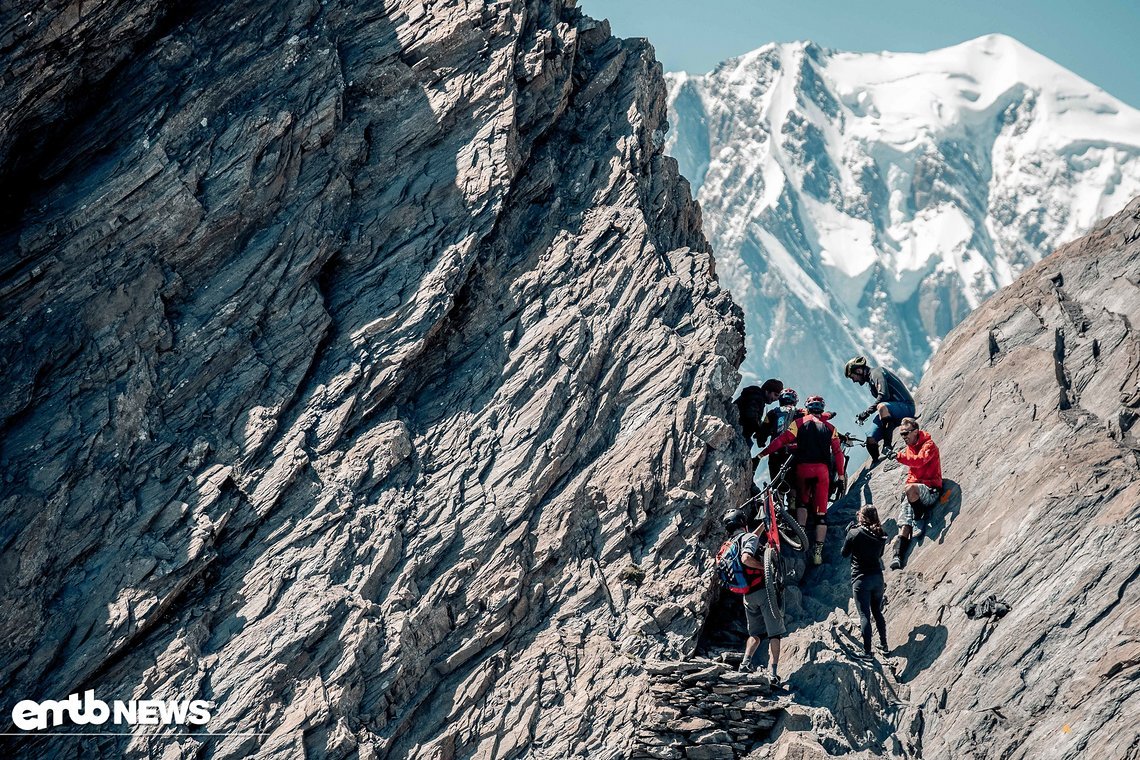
(865,203)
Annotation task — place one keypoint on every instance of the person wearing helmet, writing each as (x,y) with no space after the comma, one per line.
(775,422)
(892,402)
(750,406)
(763,621)
(817,451)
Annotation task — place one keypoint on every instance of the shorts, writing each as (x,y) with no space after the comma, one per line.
(813,494)
(897,410)
(927,498)
(761,622)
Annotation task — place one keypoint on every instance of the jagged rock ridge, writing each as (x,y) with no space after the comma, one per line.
(365,372)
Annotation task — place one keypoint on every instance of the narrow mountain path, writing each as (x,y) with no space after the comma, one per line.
(834,700)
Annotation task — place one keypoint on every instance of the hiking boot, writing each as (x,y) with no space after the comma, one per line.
(882,647)
(896,562)
(919,529)
(774,678)
(817,555)
(746,666)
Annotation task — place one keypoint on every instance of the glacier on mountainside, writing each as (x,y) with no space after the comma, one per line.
(865,203)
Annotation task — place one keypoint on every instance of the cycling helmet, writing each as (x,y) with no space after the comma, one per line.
(734,518)
(858,361)
(789,397)
(815,404)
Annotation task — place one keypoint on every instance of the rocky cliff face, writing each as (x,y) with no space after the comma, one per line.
(1033,401)
(365,372)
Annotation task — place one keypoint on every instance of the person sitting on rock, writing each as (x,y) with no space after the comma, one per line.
(750,405)
(864,545)
(817,451)
(892,402)
(923,485)
(763,621)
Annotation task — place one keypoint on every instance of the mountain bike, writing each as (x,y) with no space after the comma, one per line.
(781,531)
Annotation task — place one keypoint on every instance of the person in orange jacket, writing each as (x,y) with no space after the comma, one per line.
(923,485)
(817,447)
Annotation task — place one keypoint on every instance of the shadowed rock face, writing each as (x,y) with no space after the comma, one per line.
(364,372)
(1033,401)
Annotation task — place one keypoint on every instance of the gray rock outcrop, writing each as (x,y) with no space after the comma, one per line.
(365,372)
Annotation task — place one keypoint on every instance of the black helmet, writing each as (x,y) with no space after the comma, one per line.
(734,518)
(788,397)
(858,361)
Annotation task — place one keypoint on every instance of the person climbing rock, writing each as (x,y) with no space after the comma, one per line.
(817,450)
(892,402)
(763,621)
(750,405)
(923,485)
(775,422)
(864,545)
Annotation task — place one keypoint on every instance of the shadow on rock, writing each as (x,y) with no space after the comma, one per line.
(945,512)
(855,693)
(923,646)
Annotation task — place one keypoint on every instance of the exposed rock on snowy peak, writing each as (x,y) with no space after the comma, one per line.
(365,372)
(865,203)
(1033,401)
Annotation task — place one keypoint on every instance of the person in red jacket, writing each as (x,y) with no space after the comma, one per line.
(923,484)
(817,448)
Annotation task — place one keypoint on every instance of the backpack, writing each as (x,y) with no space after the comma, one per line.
(730,570)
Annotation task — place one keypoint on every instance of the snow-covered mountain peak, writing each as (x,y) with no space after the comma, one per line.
(865,202)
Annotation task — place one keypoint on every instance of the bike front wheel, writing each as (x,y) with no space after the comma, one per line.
(792,533)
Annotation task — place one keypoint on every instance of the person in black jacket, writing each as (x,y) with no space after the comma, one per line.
(864,545)
(750,405)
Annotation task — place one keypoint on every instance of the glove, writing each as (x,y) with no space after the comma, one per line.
(861,417)
(840,487)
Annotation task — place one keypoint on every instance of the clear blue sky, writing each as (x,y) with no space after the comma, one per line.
(1097,39)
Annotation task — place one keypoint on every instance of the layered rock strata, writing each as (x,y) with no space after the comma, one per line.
(365,373)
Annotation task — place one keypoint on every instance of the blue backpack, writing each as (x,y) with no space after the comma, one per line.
(730,569)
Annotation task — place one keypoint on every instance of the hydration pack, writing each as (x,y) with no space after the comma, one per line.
(782,417)
(730,569)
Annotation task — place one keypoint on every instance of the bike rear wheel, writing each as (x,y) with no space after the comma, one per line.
(774,580)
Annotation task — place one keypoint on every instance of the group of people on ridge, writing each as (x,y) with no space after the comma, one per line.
(807,437)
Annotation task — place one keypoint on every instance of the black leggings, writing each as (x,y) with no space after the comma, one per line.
(869,601)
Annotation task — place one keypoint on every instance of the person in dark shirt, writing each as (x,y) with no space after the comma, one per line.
(775,422)
(892,402)
(864,545)
(750,405)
